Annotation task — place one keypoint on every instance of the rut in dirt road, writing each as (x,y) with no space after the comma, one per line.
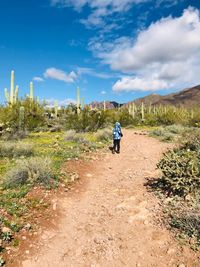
(110,220)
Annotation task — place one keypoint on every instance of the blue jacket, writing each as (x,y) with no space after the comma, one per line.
(117,132)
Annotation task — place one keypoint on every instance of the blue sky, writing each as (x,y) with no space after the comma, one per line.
(112,49)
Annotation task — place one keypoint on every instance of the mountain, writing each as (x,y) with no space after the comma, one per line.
(109,104)
(189,97)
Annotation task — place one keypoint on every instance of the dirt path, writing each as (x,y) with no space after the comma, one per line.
(109,221)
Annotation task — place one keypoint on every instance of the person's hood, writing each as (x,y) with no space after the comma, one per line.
(117,124)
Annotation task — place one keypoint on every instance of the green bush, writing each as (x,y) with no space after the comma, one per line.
(15,149)
(191,139)
(104,134)
(34,116)
(181,171)
(175,129)
(30,171)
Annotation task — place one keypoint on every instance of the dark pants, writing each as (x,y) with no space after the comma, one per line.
(116,145)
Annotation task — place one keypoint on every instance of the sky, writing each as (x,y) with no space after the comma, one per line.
(115,50)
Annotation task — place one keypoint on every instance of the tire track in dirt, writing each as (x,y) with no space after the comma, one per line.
(110,220)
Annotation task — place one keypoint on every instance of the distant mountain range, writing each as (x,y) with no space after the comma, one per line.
(189,97)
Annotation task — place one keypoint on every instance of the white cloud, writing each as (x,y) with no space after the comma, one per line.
(91,72)
(170,39)
(139,84)
(38,79)
(60,75)
(103,92)
(100,8)
(167,54)
(50,102)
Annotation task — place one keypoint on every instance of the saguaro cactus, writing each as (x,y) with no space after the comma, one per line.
(56,108)
(78,101)
(133,110)
(12,85)
(104,105)
(12,97)
(21,118)
(16,94)
(31,95)
(82,103)
(142,110)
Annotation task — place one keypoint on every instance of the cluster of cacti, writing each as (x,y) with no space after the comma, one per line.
(12,96)
(143,111)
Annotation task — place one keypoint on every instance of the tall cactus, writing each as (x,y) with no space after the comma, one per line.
(12,85)
(104,105)
(21,118)
(78,101)
(142,110)
(82,103)
(133,110)
(31,95)
(16,94)
(56,108)
(12,97)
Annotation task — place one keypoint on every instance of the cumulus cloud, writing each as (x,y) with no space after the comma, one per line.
(168,40)
(38,79)
(60,75)
(103,92)
(166,54)
(139,84)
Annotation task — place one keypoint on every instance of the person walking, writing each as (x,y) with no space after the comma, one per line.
(117,135)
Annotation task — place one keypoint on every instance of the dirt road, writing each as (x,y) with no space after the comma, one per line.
(109,220)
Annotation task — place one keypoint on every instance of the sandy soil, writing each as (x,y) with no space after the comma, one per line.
(108,218)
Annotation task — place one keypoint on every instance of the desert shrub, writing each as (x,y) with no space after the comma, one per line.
(175,129)
(181,171)
(30,171)
(33,116)
(188,223)
(167,137)
(191,139)
(15,149)
(157,132)
(104,134)
(88,120)
(69,135)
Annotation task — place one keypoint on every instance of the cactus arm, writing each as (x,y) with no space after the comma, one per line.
(82,103)
(12,84)
(16,94)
